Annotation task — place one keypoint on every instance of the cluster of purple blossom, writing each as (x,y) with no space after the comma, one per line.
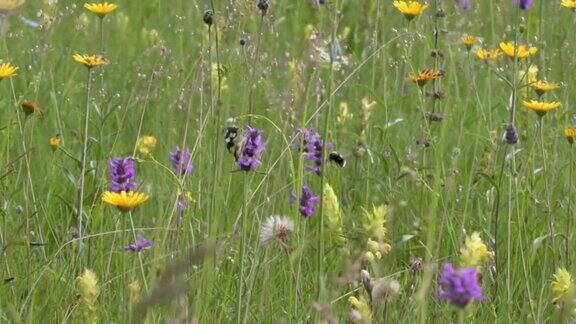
(459,286)
(313,147)
(250,154)
(522,4)
(307,201)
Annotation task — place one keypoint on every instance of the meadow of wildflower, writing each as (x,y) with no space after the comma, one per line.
(302,161)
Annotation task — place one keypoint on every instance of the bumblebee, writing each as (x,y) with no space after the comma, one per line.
(234,141)
(337,158)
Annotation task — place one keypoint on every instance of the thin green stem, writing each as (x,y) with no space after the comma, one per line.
(81,180)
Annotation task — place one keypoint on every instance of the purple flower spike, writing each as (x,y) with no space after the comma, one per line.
(511,135)
(523,4)
(251,153)
(181,161)
(313,149)
(308,202)
(122,174)
(464,4)
(459,287)
(141,244)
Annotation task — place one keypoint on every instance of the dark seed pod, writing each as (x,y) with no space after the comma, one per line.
(434,117)
(208,17)
(242,42)
(263,5)
(436,95)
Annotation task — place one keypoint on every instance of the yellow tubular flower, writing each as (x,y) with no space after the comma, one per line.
(410,9)
(570,4)
(542,87)
(90,61)
(487,55)
(7,70)
(561,284)
(124,201)
(540,107)
(474,251)
(101,9)
(521,51)
(424,76)
(89,289)
(570,134)
(468,41)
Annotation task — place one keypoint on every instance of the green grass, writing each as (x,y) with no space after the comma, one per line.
(160,82)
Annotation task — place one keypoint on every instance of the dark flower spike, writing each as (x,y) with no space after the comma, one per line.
(460,286)
(141,244)
(181,161)
(122,174)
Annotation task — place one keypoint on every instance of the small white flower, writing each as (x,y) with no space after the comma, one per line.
(276,230)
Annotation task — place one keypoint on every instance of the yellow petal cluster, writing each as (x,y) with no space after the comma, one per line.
(90,61)
(488,55)
(7,70)
(474,251)
(89,291)
(542,87)
(540,107)
(410,9)
(561,284)
(570,4)
(100,9)
(146,144)
(521,51)
(124,201)
(424,76)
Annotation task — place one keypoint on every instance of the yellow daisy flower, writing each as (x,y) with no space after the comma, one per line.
(90,61)
(468,41)
(55,141)
(424,76)
(570,4)
(410,9)
(7,70)
(570,134)
(542,87)
(101,9)
(124,201)
(521,51)
(487,55)
(540,107)
(561,284)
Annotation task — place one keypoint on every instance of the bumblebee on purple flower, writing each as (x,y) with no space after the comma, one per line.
(247,148)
